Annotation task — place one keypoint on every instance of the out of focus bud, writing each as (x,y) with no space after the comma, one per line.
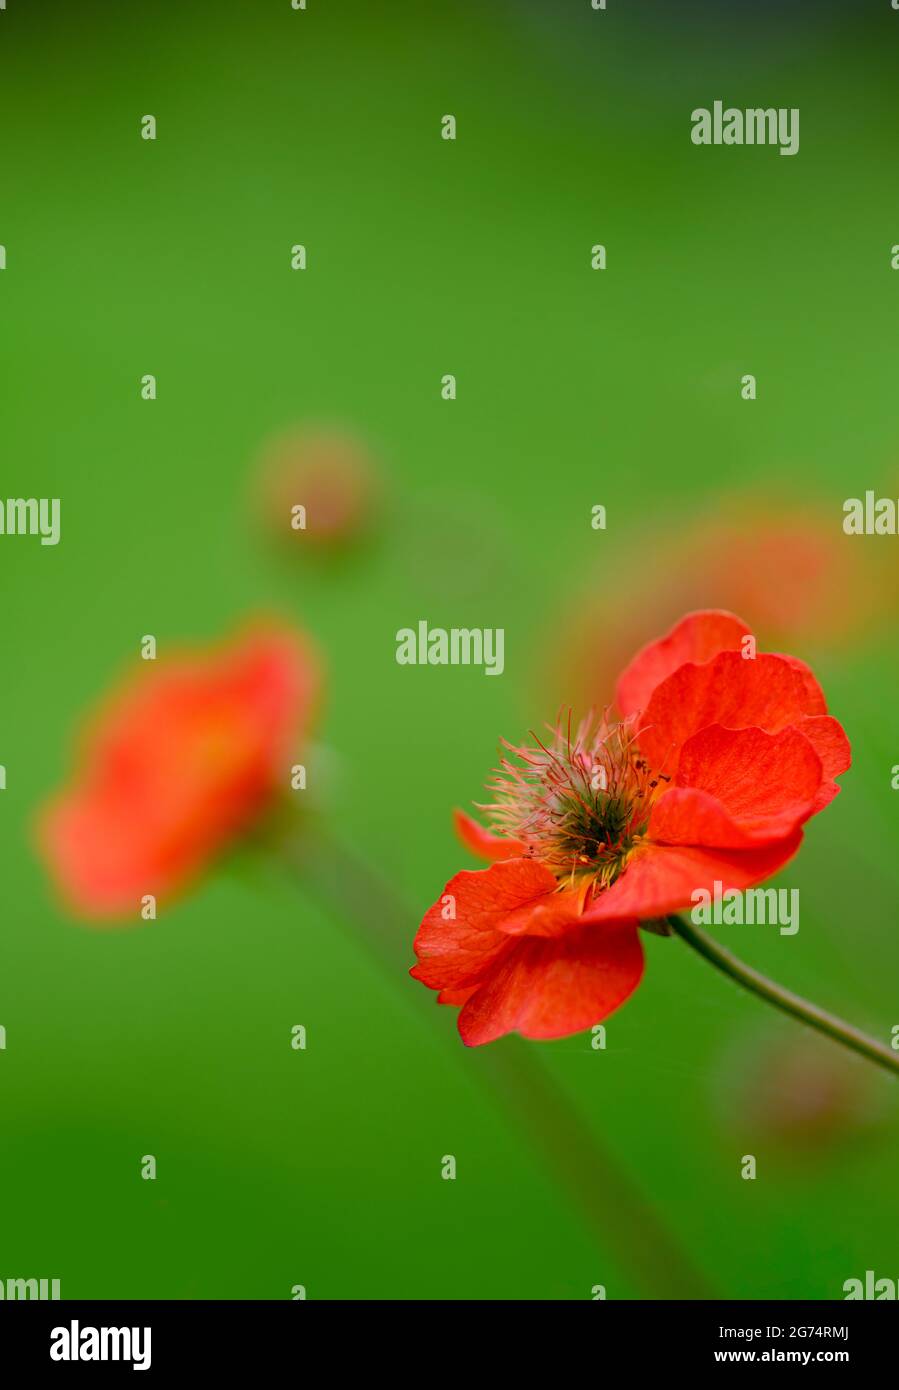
(798,1092)
(318,488)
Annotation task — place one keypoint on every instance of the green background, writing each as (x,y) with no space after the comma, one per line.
(322,1167)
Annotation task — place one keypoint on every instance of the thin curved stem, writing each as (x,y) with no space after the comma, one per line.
(781,998)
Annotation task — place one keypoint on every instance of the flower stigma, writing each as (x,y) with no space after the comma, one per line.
(579,802)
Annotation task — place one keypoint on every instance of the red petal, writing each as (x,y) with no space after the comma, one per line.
(738,788)
(815,702)
(827,737)
(453,957)
(688,816)
(553,915)
(455,952)
(696,638)
(457,997)
(483,843)
(551,988)
(767,691)
(662,878)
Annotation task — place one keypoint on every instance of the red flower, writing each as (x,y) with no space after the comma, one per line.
(177,764)
(719,759)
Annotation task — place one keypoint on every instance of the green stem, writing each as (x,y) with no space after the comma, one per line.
(781,998)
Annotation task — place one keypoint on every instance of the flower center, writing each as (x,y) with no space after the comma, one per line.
(579,802)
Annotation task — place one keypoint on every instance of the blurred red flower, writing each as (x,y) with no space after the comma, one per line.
(188,755)
(719,758)
(781,562)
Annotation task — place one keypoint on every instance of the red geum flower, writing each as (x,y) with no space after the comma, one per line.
(718,759)
(189,755)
